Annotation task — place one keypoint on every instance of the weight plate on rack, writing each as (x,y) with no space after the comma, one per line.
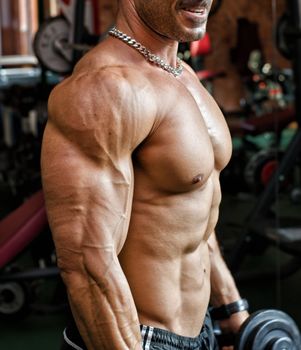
(51,45)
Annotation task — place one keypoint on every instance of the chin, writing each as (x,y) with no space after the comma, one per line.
(189,32)
(192,35)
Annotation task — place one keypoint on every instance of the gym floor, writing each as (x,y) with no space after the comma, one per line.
(43,330)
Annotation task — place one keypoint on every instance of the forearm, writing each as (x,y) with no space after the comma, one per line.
(223,287)
(104,310)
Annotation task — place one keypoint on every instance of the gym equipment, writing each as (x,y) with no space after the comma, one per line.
(258,149)
(27,255)
(51,45)
(13,299)
(268,330)
(26,229)
(257,228)
(20,227)
(264,330)
(26,249)
(268,87)
(22,120)
(60,41)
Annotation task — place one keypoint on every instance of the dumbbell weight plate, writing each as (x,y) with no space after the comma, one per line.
(260,168)
(269,330)
(51,45)
(14,300)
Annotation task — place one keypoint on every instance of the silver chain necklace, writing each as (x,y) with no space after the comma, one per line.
(175,71)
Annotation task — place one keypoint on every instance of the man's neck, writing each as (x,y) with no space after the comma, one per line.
(132,25)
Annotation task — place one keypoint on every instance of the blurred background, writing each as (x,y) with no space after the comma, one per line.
(250,61)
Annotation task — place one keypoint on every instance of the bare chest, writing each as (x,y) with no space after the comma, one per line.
(189,141)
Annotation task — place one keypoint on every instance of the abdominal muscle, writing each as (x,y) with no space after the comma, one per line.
(166,259)
(169,294)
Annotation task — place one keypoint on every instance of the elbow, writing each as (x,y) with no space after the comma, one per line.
(71,269)
(85,270)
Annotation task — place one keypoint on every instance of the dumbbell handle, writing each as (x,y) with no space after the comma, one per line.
(225,340)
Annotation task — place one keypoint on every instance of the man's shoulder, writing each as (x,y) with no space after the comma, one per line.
(107,98)
(99,88)
(93,81)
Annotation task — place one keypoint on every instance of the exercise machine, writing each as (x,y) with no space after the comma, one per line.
(258,230)
(25,231)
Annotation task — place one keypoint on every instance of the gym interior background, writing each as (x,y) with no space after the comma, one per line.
(250,61)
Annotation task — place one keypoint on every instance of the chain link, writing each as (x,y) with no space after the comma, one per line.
(175,71)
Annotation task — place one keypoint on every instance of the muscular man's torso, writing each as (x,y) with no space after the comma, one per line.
(176,193)
(175,207)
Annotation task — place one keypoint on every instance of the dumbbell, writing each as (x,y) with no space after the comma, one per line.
(265,330)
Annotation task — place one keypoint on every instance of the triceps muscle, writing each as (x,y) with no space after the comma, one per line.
(89,209)
(95,122)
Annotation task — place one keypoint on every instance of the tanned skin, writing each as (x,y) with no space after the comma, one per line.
(131,161)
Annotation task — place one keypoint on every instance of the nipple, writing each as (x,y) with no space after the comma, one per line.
(197,179)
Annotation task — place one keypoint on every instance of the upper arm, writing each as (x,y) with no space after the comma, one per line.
(94,125)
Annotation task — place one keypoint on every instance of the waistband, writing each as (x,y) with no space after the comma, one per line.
(164,339)
(155,338)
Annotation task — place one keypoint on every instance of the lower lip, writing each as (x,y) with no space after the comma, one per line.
(195,16)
